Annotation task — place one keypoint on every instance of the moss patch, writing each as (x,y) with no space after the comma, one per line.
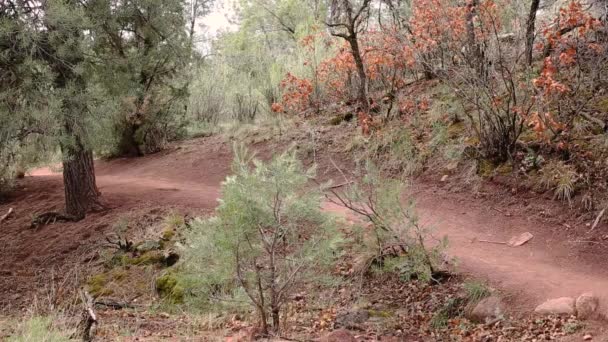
(97,285)
(169,289)
(486,168)
(380,314)
(456,130)
(148,258)
(505,169)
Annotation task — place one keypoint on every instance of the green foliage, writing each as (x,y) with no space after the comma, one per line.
(452,308)
(268,236)
(559,177)
(144,76)
(38,328)
(475,291)
(97,285)
(169,289)
(395,151)
(174,221)
(247,65)
(397,240)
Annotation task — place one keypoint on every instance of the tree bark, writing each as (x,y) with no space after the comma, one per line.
(276,319)
(530,30)
(475,56)
(362,91)
(81,193)
(128,146)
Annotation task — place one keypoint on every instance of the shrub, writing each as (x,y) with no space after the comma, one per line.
(268,236)
(245,108)
(475,291)
(395,239)
(560,178)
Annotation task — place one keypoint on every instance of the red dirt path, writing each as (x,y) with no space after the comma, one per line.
(189,177)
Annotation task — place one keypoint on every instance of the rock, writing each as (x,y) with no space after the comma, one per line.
(587,337)
(520,240)
(148,245)
(352,319)
(586,306)
(557,306)
(487,309)
(444,178)
(340,335)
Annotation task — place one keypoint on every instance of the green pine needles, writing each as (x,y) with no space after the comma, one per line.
(267,238)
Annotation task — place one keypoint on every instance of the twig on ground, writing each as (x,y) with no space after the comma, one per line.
(114,304)
(10,211)
(489,241)
(340,185)
(502,212)
(597,219)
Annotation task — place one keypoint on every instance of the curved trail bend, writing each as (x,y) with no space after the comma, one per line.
(544,268)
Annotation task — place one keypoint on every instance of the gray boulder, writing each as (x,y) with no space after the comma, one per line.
(486,310)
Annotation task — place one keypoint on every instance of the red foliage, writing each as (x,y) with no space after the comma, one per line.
(296,94)
(560,74)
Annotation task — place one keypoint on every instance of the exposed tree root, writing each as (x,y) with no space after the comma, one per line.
(7,215)
(51,218)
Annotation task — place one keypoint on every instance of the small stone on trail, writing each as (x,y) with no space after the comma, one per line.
(444,178)
(587,337)
(557,306)
(586,305)
(520,240)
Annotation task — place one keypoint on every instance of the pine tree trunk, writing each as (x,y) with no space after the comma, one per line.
(530,30)
(128,146)
(81,192)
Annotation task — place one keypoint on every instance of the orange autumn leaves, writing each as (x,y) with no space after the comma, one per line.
(393,55)
(566,40)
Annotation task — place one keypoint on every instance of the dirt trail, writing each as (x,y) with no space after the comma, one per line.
(546,267)
(528,274)
(542,269)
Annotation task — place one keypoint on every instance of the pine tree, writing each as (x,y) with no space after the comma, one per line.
(47,39)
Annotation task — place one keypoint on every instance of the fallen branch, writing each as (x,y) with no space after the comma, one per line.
(10,211)
(340,185)
(597,219)
(112,304)
(488,241)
